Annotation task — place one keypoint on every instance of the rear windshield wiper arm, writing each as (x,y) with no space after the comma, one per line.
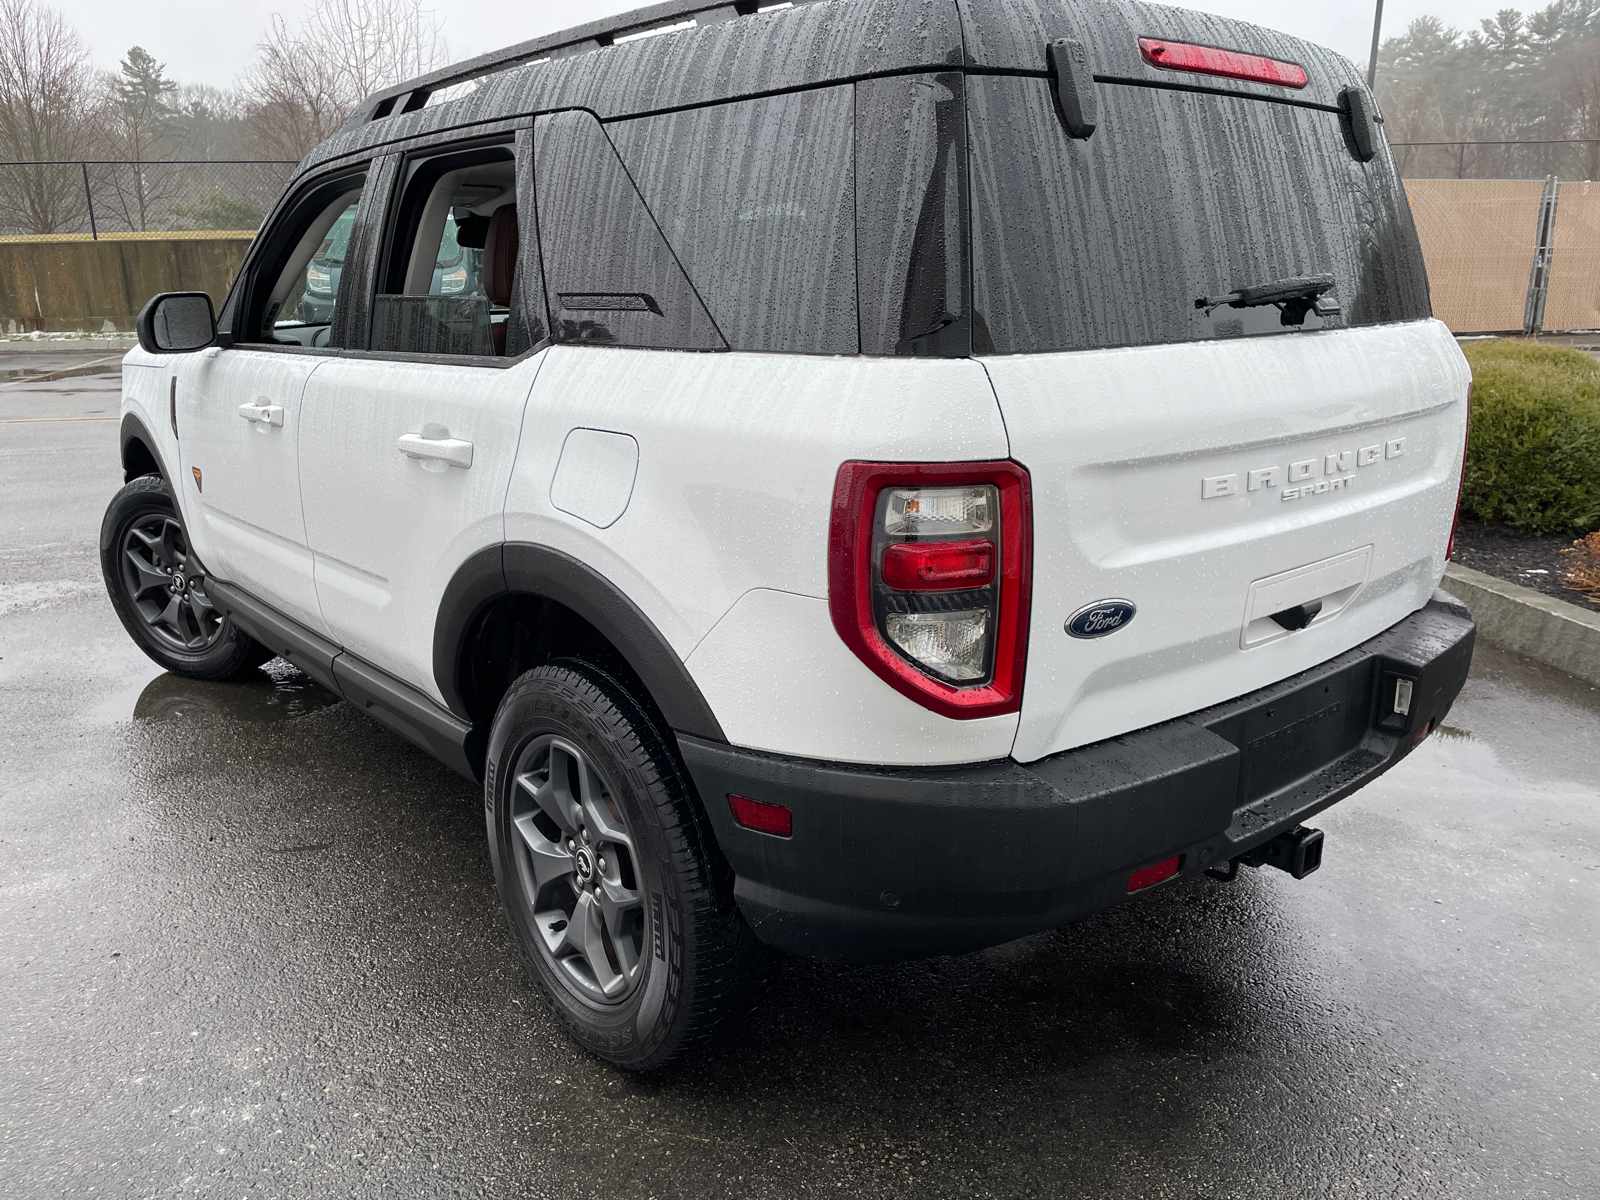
(1294,297)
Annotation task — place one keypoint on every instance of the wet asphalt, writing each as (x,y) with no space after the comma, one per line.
(250,947)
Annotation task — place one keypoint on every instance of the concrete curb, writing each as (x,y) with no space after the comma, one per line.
(67,345)
(1552,631)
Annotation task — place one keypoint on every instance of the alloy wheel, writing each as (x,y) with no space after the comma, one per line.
(578,870)
(167,585)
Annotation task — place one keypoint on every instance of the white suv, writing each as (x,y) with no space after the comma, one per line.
(886,476)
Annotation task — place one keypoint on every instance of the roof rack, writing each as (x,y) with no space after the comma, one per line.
(414,93)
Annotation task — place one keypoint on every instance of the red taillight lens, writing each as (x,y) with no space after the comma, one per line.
(929,570)
(761,816)
(1231,64)
(1461,481)
(1151,876)
(938,566)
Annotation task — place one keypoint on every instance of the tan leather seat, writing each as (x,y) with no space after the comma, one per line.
(500,246)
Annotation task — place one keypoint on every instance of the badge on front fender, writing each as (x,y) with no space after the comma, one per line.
(1100,618)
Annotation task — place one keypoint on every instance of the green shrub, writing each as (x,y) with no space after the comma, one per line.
(1533,457)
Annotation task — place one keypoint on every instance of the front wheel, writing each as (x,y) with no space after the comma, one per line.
(616,896)
(158,588)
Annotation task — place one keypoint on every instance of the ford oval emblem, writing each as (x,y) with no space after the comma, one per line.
(1100,618)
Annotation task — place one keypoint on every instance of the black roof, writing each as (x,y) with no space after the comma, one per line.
(734,51)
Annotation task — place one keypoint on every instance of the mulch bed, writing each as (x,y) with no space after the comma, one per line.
(1534,562)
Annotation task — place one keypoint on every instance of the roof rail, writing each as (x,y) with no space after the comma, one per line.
(414,93)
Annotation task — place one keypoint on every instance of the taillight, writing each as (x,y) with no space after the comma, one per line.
(928,576)
(1231,64)
(1461,480)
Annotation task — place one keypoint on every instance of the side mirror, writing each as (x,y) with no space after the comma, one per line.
(176,322)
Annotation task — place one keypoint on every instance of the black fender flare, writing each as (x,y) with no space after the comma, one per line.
(135,431)
(522,568)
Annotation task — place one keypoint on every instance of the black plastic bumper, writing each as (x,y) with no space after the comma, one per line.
(900,863)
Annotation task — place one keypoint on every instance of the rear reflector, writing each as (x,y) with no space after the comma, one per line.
(1151,876)
(1208,60)
(761,816)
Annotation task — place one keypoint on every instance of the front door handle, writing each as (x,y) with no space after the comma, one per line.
(436,449)
(263,413)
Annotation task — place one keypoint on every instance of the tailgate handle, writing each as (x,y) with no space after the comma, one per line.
(1299,616)
(1076,102)
(1291,600)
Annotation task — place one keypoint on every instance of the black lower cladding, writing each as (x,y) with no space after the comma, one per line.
(888,864)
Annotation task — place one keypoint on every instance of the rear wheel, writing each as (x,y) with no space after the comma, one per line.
(615,894)
(158,588)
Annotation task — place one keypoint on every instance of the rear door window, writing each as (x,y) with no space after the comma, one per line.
(1178,197)
(449,274)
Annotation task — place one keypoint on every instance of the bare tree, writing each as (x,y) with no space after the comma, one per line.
(47,109)
(308,78)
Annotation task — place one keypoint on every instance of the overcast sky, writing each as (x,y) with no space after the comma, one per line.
(204,41)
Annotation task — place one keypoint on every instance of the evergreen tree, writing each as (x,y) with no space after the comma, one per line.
(144,97)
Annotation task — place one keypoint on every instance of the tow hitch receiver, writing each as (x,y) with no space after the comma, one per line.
(1298,852)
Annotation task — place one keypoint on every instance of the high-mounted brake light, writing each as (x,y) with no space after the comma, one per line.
(929,571)
(1230,64)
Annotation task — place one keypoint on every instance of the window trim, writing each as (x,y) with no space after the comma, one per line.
(493,361)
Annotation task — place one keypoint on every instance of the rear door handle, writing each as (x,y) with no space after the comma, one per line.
(435,445)
(265,414)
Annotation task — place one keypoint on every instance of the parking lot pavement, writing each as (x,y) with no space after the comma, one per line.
(251,947)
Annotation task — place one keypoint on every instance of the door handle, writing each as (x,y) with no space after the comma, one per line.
(434,445)
(265,414)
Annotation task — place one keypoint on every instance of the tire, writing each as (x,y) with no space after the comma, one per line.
(617,898)
(158,588)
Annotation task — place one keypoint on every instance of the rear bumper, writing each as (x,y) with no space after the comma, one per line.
(898,863)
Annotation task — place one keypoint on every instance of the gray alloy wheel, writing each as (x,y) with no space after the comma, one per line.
(577,870)
(167,586)
(158,587)
(614,891)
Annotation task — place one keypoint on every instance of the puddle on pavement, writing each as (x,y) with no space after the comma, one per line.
(280,693)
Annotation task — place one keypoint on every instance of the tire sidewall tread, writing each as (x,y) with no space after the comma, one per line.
(709,963)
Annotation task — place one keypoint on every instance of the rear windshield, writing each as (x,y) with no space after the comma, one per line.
(1177,197)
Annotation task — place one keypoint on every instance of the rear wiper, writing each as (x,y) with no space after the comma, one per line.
(1294,297)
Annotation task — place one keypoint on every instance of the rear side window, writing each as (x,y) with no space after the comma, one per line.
(610,276)
(754,198)
(1177,196)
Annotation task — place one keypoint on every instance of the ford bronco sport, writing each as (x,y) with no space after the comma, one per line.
(901,475)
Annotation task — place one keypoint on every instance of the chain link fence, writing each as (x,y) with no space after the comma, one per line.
(1569,158)
(100,197)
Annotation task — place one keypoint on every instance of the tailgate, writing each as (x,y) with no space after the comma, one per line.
(1268,484)
(1332,462)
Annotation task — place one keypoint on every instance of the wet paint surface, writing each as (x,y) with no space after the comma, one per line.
(251,946)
